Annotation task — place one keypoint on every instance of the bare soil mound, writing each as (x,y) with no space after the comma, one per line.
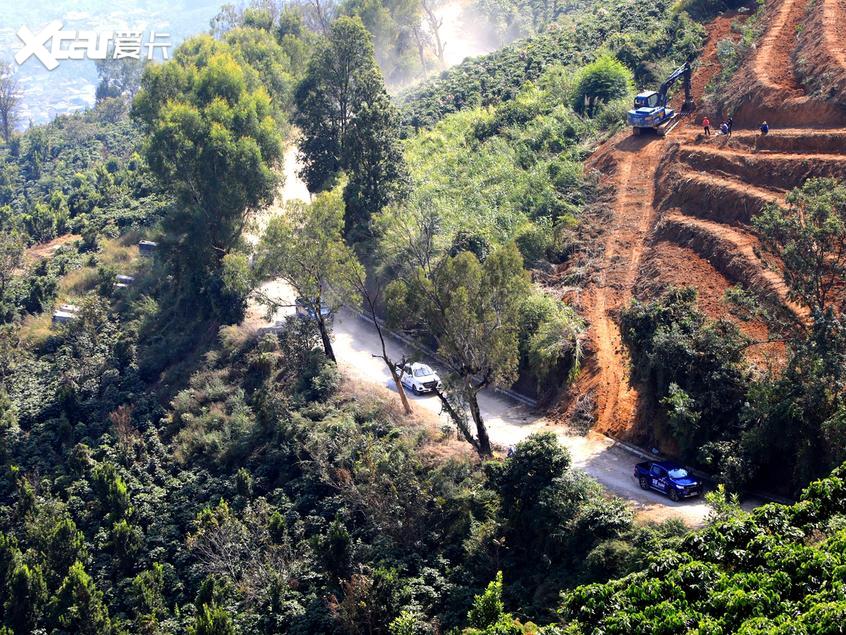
(820,57)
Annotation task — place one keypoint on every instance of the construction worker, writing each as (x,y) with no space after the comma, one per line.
(730,124)
(706,123)
(724,128)
(765,128)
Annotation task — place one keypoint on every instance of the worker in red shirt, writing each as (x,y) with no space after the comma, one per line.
(706,123)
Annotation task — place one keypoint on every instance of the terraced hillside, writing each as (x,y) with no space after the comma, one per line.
(684,204)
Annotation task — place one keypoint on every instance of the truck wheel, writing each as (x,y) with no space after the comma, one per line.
(644,484)
(674,495)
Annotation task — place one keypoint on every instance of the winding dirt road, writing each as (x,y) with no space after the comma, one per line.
(355,340)
(509,422)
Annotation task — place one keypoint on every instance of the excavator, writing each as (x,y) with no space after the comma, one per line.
(650,108)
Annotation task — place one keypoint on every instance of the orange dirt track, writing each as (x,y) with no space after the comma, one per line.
(684,204)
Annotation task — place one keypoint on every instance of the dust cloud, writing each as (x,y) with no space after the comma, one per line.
(465,32)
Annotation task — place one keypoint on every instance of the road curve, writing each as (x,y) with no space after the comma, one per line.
(355,341)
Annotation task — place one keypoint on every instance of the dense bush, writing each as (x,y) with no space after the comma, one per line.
(706,9)
(775,570)
(797,416)
(695,368)
(80,174)
(501,173)
(600,82)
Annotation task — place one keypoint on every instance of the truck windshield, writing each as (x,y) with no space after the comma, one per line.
(423,371)
(678,473)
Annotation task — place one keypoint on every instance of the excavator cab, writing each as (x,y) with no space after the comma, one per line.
(646,100)
(649,113)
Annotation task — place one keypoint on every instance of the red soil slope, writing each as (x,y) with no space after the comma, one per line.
(684,204)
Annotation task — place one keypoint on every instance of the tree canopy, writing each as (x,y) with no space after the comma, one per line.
(349,124)
(601,81)
(305,247)
(471,310)
(810,237)
(214,139)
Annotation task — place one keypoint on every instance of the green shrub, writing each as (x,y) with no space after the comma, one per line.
(612,115)
(555,348)
(601,82)
(533,240)
(695,365)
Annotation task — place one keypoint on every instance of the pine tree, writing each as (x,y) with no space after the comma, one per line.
(78,605)
(213,620)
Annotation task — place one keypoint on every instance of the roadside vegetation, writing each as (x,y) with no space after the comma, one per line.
(165,469)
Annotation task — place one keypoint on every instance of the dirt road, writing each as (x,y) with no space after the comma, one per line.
(607,375)
(355,341)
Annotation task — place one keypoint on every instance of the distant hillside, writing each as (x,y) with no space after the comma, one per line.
(70,87)
(572,40)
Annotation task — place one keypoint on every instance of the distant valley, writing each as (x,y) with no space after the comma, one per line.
(71,86)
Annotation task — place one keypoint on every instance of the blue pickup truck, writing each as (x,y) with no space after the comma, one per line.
(667,477)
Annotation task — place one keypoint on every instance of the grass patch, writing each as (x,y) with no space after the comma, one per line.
(118,254)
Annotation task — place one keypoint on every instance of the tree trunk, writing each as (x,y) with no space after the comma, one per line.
(484,441)
(392,367)
(421,52)
(457,419)
(324,336)
(403,397)
(481,442)
(435,24)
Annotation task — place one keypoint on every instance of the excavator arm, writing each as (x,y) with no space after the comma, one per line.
(685,72)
